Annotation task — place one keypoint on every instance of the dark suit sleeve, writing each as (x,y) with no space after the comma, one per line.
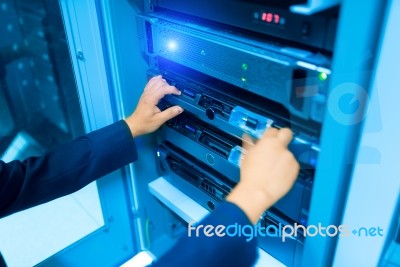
(66,169)
(215,251)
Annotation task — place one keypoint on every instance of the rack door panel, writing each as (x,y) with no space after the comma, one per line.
(53,89)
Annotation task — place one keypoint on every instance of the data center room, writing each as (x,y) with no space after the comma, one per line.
(325,69)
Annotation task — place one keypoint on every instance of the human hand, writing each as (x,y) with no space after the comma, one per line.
(147,117)
(267,172)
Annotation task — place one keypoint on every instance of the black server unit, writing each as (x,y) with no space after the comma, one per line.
(241,69)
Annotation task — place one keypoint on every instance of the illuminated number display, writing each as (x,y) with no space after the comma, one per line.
(272,18)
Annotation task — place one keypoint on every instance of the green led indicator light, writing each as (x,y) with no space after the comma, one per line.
(244,66)
(243,79)
(322,76)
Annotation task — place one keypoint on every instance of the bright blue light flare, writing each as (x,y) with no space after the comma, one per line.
(172,45)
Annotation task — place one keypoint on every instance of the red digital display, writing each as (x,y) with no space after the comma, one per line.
(270,17)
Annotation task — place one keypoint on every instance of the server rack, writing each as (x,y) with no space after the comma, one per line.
(157,219)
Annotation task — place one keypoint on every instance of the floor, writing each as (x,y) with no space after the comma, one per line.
(29,237)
